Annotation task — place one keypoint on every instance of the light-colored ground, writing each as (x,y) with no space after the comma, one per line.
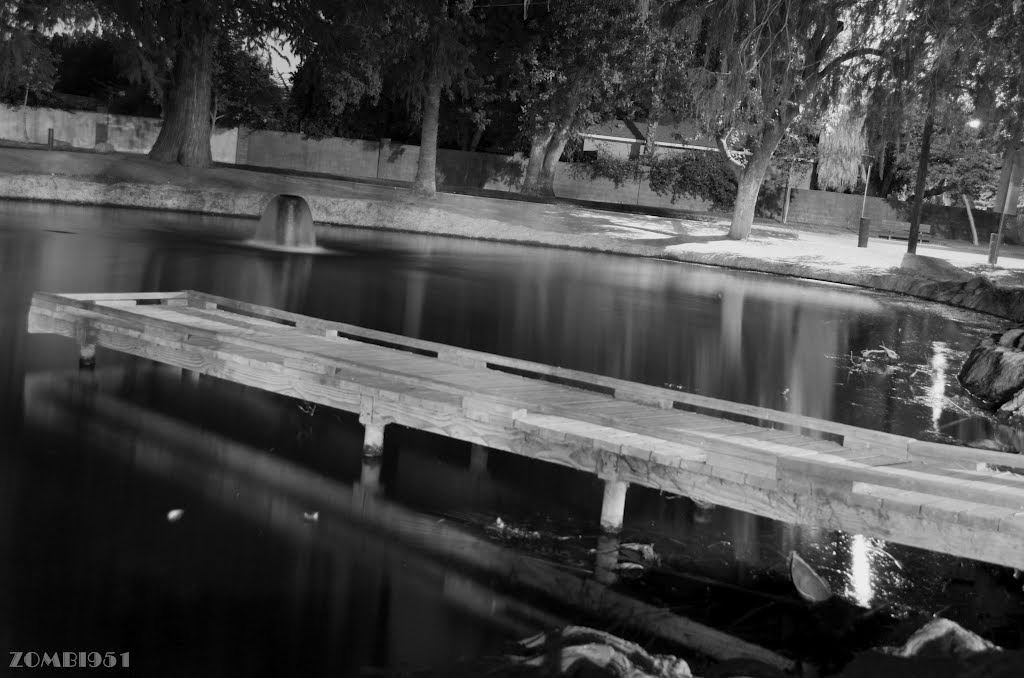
(804,250)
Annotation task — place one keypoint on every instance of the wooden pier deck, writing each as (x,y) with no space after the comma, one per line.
(775,464)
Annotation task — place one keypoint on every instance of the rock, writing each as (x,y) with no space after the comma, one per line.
(939,649)
(994,371)
(942,638)
(588,653)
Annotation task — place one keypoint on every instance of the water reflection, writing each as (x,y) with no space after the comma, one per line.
(860,570)
(937,390)
(751,338)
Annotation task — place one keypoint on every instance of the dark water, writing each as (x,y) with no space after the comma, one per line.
(280,564)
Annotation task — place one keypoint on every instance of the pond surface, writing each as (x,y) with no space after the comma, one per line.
(201,527)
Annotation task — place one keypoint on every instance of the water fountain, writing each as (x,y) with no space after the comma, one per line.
(287,223)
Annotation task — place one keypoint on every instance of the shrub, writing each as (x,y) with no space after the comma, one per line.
(695,173)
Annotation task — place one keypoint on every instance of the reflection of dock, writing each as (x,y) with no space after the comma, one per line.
(278,494)
(783,466)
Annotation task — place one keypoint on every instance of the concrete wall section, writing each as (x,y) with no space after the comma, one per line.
(82,129)
(398,162)
(479,170)
(626,193)
(843,210)
(344,157)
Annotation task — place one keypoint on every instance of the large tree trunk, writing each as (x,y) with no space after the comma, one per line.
(185,135)
(425,183)
(546,180)
(922,174)
(750,180)
(535,162)
(478,134)
(654,115)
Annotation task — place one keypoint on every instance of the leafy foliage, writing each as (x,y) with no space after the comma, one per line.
(245,89)
(680,173)
(841,148)
(27,65)
(962,160)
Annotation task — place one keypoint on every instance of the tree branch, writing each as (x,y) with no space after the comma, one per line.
(723,148)
(846,56)
(939,189)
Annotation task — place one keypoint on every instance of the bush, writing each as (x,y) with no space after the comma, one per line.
(695,173)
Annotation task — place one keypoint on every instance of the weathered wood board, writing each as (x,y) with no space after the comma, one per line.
(776,464)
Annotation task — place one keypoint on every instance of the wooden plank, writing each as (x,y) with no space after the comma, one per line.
(121,296)
(845,473)
(623,389)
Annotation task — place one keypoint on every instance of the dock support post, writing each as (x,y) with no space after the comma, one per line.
(478,458)
(87,356)
(606,559)
(373,438)
(613,507)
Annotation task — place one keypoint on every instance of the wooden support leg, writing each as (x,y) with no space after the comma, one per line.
(373,438)
(614,505)
(478,458)
(87,356)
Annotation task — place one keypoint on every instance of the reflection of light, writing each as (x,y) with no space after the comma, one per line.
(974,124)
(860,570)
(937,391)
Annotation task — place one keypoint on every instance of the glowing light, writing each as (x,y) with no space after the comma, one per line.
(974,123)
(860,570)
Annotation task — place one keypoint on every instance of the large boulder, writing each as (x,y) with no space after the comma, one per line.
(940,649)
(994,371)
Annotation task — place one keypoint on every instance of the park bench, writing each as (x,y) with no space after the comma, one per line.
(899,230)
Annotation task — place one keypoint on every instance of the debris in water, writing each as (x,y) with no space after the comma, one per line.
(808,583)
(174,515)
(641,555)
(510,532)
(311,516)
(883,349)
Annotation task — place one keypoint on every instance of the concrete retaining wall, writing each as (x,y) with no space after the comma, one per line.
(84,129)
(455,169)
(843,209)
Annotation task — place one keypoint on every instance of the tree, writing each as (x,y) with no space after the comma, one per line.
(173,44)
(349,47)
(27,64)
(570,74)
(759,66)
(962,160)
(246,91)
(437,60)
(345,49)
(942,54)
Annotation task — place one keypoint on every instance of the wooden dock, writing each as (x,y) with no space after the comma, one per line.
(783,466)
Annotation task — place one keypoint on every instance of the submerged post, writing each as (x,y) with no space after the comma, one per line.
(87,356)
(369,475)
(606,559)
(613,507)
(478,458)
